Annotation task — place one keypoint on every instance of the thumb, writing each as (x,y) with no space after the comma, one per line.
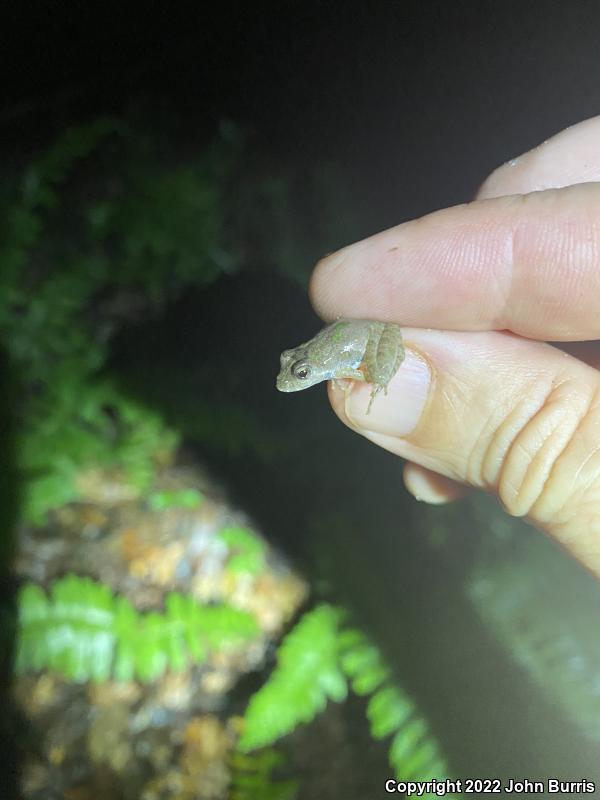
(512,416)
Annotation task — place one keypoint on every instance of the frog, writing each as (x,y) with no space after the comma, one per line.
(359,349)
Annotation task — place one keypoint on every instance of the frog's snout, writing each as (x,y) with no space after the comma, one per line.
(283,384)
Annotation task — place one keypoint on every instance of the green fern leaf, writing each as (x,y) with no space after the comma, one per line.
(387,711)
(306,676)
(414,753)
(84,632)
(368,681)
(405,741)
(252,779)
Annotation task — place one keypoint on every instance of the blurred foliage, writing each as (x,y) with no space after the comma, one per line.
(252,777)
(414,753)
(98,227)
(247,551)
(181,498)
(306,676)
(84,632)
(315,662)
(105,226)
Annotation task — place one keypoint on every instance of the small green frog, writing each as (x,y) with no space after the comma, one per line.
(361,349)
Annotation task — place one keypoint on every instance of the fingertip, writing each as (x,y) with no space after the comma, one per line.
(521,175)
(430,487)
(571,156)
(321,281)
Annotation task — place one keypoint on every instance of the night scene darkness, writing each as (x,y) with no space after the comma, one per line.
(212,589)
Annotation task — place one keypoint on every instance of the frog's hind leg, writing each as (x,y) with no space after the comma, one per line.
(374,392)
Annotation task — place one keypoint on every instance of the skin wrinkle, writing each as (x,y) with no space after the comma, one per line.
(533,393)
(529,465)
(475,472)
(495,454)
(541,463)
(500,321)
(534,259)
(450,404)
(507,271)
(531,470)
(583,418)
(513,299)
(499,280)
(581,467)
(544,257)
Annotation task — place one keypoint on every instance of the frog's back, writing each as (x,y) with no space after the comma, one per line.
(346,334)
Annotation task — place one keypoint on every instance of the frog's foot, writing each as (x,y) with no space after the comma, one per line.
(374,392)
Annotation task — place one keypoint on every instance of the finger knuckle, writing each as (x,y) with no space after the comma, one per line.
(553,454)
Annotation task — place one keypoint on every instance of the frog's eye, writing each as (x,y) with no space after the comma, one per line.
(301,371)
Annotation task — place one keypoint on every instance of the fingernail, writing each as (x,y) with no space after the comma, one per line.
(398,412)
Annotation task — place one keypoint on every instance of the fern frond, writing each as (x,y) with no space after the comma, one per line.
(314,663)
(306,676)
(414,753)
(84,632)
(252,779)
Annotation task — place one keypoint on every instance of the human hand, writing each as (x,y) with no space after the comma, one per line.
(482,400)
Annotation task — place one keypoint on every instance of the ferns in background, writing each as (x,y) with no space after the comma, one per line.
(414,753)
(94,226)
(84,632)
(252,780)
(308,673)
(315,663)
(103,225)
(96,222)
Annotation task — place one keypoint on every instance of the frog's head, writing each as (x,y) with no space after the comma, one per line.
(299,372)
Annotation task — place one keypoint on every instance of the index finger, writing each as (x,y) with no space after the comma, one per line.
(525,263)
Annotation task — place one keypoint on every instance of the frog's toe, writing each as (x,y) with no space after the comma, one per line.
(374,392)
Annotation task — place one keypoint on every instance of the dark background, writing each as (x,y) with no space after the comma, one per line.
(416,103)
(420,99)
